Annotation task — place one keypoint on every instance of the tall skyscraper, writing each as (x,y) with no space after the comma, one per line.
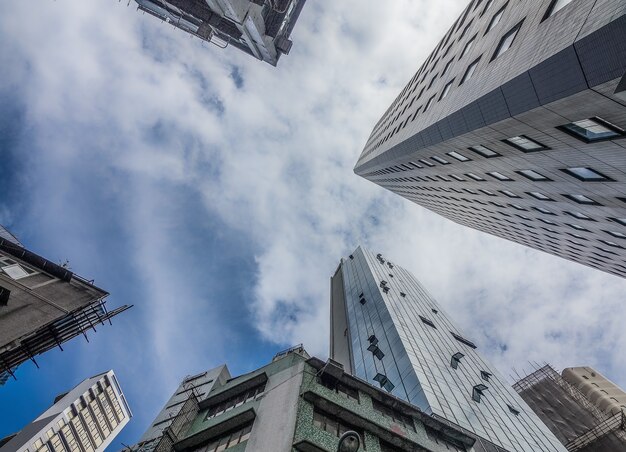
(261,28)
(514,125)
(195,387)
(299,403)
(585,411)
(42,305)
(85,419)
(387,330)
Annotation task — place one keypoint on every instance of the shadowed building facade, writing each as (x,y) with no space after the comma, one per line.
(299,403)
(514,125)
(387,330)
(42,305)
(260,28)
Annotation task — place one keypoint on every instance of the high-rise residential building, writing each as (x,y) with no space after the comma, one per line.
(299,403)
(85,419)
(195,386)
(261,28)
(42,305)
(585,411)
(515,126)
(387,330)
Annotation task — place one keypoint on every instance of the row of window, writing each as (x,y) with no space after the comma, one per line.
(505,43)
(235,401)
(227,440)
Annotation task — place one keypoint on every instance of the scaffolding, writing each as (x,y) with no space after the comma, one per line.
(579,424)
(179,426)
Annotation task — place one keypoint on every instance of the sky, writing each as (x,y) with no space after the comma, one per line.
(216,194)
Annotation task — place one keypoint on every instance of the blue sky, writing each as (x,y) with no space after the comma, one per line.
(215,193)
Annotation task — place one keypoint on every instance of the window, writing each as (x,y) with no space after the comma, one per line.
(586,174)
(332,425)
(582,199)
(533,175)
(525,144)
(427,322)
(474,176)
(426,162)
(393,414)
(470,71)
(377,352)
(16,271)
(446,442)
(477,392)
(621,221)
(510,194)
(456,359)
(613,244)
(446,89)
(546,221)
(340,388)
(495,19)
(484,151)
(577,227)
(540,196)
(468,46)
(440,160)
(445,69)
(384,382)
(459,157)
(513,410)
(544,210)
(499,176)
(485,375)
(459,178)
(487,192)
(487,6)
(429,103)
(592,130)
(616,234)
(507,41)
(463,340)
(235,401)
(555,6)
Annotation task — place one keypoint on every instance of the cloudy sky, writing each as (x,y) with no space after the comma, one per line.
(215,193)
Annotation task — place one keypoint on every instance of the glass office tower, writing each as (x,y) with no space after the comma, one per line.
(387,330)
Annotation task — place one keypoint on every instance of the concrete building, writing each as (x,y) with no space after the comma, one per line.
(298,403)
(261,28)
(85,419)
(514,125)
(42,305)
(194,386)
(387,330)
(585,411)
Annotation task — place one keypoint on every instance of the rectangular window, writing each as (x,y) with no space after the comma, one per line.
(475,176)
(507,40)
(540,196)
(484,151)
(579,215)
(459,178)
(592,130)
(487,192)
(446,89)
(586,174)
(16,271)
(440,160)
(499,176)
(426,162)
(495,19)
(577,227)
(463,340)
(429,103)
(235,401)
(554,7)
(393,414)
(582,199)
(228,440)
(458,156)
(525,144)
(544,210)
(510,194)
(533,175)
(427,322)
(468,46)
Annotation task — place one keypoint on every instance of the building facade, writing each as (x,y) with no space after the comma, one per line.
(260,28)
(584,410)
(85,419)
(515,126)
(42,305)
(298,403)
(196,387)
(389,331)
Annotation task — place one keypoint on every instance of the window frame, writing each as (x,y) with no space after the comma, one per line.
(513,31)
(542,147)
(619,133)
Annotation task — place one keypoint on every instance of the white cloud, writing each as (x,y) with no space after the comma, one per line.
(151,111)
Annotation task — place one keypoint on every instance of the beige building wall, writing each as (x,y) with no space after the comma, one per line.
(600,391)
